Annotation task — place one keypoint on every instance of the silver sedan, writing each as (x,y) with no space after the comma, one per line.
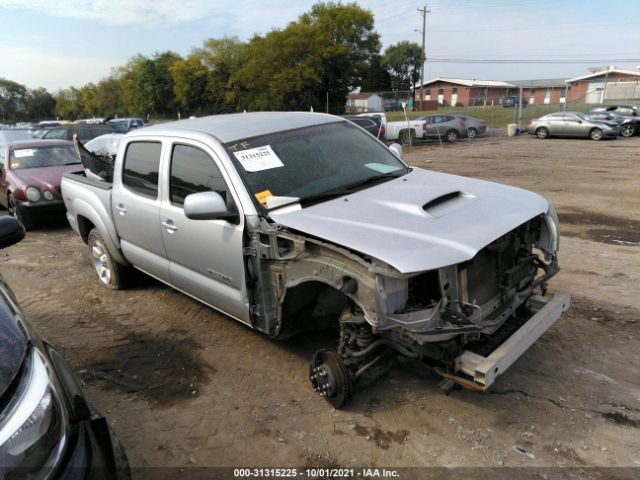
(572,124)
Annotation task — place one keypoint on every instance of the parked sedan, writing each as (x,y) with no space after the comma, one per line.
(47,428)
(126,124)
(571,124)
(626,110)
(444,127)
(30,178)
(629,126)
(475,126)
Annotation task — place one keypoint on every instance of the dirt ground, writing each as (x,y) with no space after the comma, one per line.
(184,386)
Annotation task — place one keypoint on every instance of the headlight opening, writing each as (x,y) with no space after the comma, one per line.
(33,426)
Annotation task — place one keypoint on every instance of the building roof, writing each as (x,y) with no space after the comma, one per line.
(360,96)
(469,83)
(604,72)
(542,83)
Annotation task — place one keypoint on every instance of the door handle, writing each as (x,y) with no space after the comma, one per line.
(168,224)
(121,209)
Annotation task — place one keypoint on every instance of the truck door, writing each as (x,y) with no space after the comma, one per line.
(206,257)
(136,208)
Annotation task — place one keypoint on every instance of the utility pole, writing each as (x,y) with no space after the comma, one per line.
(424,12)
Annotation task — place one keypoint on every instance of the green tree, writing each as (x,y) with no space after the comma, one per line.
(403,61)
(68,104)
(109,97)
(346,42)
(148,84)
(326,51)
(12,101)
(222,57)
(40,104)
(376,78)
(190,78)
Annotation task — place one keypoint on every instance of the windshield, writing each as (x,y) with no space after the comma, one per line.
(313,161)
(36,157)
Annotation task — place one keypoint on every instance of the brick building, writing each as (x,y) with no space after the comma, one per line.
(459,91)
(608,84)
(541,92)
(591,88)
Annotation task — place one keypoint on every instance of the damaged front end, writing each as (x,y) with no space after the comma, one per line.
(451,318)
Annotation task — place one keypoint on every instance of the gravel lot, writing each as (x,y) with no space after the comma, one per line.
(184,386)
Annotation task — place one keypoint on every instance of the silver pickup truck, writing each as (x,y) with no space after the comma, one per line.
(290,222)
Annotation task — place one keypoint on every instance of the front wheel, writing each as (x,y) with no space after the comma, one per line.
(110,273)
(330,377)
(595,134)
(451,136)
(542,132)
(627,130)
(14,211)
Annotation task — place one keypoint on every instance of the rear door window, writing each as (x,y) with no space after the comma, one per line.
(141,166)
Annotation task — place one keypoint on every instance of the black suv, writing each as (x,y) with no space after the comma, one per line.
(85,131)
(47,428)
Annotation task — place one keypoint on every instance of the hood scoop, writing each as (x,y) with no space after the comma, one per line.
(446,203)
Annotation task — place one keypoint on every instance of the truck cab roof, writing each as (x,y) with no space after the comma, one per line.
(237,126)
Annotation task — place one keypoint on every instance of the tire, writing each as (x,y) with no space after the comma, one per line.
(472,133)
(627,130)
(123,472)
(595,134)
(110,273)
(14,211)
(542,132)
(407,138)
(451,136)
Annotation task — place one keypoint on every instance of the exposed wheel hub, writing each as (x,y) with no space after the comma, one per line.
(330,377)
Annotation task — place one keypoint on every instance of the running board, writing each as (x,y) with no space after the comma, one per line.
(485,370)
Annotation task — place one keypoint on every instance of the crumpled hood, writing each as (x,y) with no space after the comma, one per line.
(421,221)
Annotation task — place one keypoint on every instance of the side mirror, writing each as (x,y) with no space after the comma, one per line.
(206,206)
(11,231)
(396,149)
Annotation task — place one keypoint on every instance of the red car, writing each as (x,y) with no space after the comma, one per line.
(30,178)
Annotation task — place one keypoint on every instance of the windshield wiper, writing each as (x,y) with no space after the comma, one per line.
(350,188)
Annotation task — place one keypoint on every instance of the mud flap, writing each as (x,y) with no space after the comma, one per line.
(481,372)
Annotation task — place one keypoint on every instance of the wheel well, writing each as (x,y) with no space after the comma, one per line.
(311,306)
(84,227)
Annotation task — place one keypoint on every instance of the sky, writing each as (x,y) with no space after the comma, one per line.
(62,43)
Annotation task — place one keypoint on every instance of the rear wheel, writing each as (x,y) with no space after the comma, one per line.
(110,273)
(595,134)
(451,136)
(627,130)
(542,132)
(472,133)
(407,138)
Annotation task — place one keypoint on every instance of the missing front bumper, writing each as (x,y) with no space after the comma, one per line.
(481,372)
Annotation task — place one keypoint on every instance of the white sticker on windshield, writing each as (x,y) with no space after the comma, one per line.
(258,159)
(25,152)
